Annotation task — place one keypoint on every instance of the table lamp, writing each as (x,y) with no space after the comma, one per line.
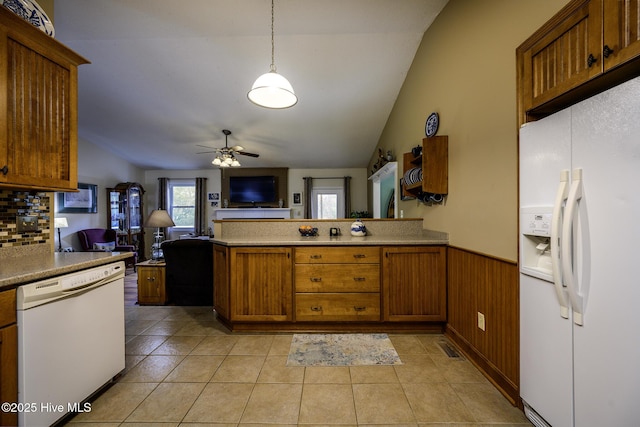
(60,223)
(158,218)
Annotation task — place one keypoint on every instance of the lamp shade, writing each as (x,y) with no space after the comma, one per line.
(272,90)
(159,218)
(60,223)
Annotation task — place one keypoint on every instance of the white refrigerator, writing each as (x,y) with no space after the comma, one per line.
(580,263)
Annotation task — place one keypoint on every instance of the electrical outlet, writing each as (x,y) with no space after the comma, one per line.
(481,323)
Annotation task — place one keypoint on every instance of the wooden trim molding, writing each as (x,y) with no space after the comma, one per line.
(479,283)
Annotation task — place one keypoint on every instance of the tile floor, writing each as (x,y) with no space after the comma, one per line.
(185,369)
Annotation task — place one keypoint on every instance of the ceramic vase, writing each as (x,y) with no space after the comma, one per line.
(358,229)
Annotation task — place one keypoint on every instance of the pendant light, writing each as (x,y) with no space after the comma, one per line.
(272,90)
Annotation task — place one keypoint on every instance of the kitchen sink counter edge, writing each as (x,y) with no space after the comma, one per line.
(20,270)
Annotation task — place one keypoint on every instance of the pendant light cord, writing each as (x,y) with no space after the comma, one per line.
(273,62)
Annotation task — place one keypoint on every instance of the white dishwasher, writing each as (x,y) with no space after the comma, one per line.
(70,341)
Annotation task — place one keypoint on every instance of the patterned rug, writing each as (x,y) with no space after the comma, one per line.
(342,350)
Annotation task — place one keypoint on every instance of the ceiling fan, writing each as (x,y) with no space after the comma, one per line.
(226,156)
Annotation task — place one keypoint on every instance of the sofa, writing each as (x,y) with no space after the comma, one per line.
(189,271)
(101,240)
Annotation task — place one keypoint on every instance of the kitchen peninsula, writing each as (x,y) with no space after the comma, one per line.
(267,276)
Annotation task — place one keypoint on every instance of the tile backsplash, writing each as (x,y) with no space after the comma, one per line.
(14,203)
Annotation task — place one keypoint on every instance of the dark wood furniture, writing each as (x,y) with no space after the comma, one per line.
(125,215)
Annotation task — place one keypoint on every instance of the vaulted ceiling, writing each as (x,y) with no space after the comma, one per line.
(166,77)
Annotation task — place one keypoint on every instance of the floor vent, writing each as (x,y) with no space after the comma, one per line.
(450,350)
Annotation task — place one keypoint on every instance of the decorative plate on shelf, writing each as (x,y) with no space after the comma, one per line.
(431,126)
(30,11)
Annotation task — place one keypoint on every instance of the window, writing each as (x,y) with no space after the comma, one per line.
(182,203)
(327,203)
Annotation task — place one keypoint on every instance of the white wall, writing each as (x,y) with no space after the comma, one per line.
(104,169)
(358,186)
(151,185)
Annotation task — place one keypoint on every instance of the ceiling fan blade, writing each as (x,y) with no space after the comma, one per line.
(237,148)
(208,152)
(244,153)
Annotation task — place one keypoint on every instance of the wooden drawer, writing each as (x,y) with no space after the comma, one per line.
(7,307)
(337,278)
(338,255)
(336,307)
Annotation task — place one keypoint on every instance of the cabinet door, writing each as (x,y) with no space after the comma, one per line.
(621,31)
(414,283)
(9,372)
(261,284)
(151,285)
(562,55)
(221,281)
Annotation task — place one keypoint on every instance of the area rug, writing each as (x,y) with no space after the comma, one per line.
(342,350)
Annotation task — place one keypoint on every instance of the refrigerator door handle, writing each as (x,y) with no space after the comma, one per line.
(556,225)
(575,194)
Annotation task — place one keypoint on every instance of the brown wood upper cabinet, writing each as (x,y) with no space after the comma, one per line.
(38,108)
(584,41)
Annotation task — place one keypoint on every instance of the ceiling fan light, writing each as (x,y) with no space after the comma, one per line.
(272,90)
(227,160)
(216,161)
(235,163)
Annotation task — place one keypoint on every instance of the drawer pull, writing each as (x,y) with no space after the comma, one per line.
(359,256)
(359,279)
(316,279)
(316,308)
(359,308)
(315,256)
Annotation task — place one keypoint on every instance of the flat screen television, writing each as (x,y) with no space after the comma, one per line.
(252,189)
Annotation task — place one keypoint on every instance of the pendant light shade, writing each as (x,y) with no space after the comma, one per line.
(272,90)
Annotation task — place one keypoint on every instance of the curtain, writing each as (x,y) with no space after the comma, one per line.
(308,187)
(163,199)
(347,196)
(200,226)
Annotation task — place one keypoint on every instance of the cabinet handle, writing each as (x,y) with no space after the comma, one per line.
(607,51)
(359,279)
(359,256)
(316,279)
(316,308)
(591,60)
(315,256)
(359,308)
(5,170)
(151,279)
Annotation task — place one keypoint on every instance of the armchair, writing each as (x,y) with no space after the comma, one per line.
(101,239)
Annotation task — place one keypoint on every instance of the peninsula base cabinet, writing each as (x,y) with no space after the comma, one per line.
(332,288)
(414,283)
(8,355)
(261,284)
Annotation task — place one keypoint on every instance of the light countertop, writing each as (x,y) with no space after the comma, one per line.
(19,270)
(427,238)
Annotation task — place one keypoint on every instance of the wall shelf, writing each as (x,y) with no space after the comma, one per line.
(434,161)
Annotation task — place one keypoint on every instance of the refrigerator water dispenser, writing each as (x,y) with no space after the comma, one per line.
(535,230)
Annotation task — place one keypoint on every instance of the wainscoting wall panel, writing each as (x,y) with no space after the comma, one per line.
(483,284)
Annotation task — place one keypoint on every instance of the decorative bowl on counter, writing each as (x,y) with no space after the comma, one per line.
(308,231)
